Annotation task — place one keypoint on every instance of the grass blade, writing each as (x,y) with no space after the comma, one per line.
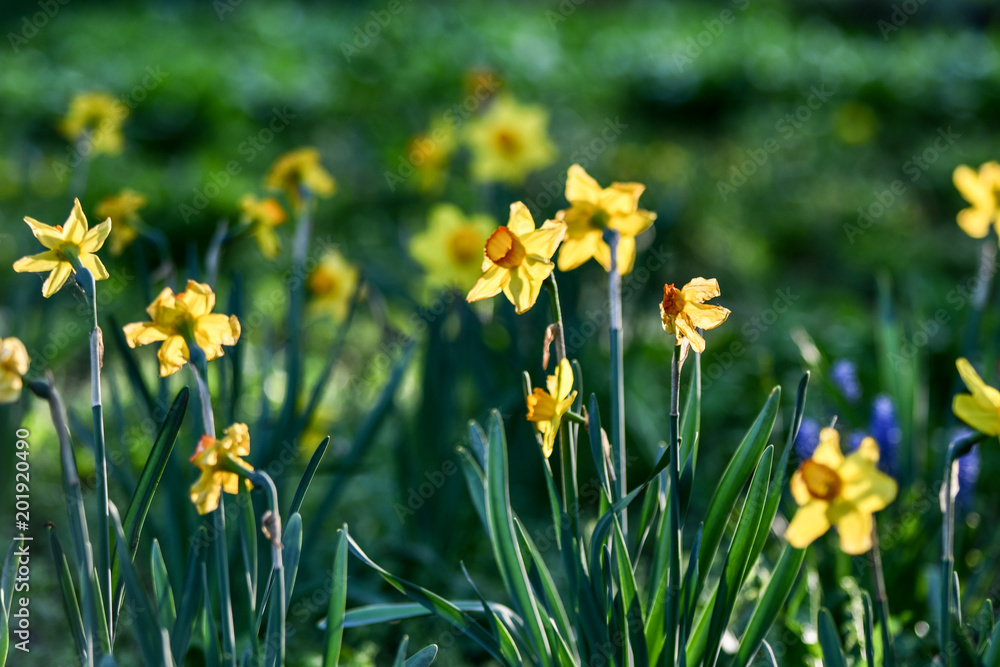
(338,603)
(869,633)
(423,657)
(191,596)
(161,586)
(71,604)
(771,601)
(307,476)
(833,654)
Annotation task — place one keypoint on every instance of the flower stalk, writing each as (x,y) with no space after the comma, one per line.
(612,238)
(674,507)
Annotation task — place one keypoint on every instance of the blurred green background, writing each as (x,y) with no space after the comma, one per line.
(762,130)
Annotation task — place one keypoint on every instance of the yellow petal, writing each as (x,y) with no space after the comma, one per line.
(75,227)
(799,490)
(56,279)
(975,221)
(564,379)
(982,392)
(705,316)
(865,488)
(633,224)
(976,415)
(523,288)
(94,264)
(14,356)
(214,330)
(621,199)
(977,191)
(10,386)
(855,530)
(43,261)
(543,241)
(205,492)
(828,450)
(581,187)
(520,221)
(48,236)
(173,355)
(94,239)
(576,251)
(809,522)
(700,290)
(143,333)
(688,332)
(489,284)
(198,298)
(626,254)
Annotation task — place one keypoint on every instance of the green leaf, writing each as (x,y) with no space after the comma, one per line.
(500,631)
(423,657)
(631,604)
(401,652)
(691,416)
(549,591)
(475,479)
(869,633)
(209,630)
(190,598)
(248,555)
(307,476)
(597,445)
(770,603)
(292,540)
(161,585)
(71,605)
(992,657)
(378,614)
(338,602)
(833,654)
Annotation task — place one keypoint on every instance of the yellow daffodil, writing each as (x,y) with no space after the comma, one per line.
(683,311)
(832,490)
(14,364)
(451,248)
(547,408)
(332,284)
(594,209)
(518,259)
(300,170)
(98,116)
(180,320)
(430,153)
(509,141)
(263,215)
(981,408)
(73,240)
(982,190)
(123,211)
(219,461)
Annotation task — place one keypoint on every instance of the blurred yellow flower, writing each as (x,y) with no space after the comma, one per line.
(123,210)
(14,363)
(508,141)
(845,492)
(262,216)
(981,408)
(547,408)
(982,190)
(72,240)
(178,321)
(430,153)
(451,248)
(518,259)
(683,311)
(592,209)
(98,116)
(332,284)
(219,461)
(300,170)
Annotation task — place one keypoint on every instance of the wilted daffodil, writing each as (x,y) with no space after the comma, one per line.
(262,216)
(509,141)
(300,170)
(100,117)
(332,284)
(518,259)
(981,408)
(982,190)
(594,209)
(451,248)
(180,320)
(547,408)
(683,311)
(123,211)
(71,241)
(14,364)
(220,462)
(832,490)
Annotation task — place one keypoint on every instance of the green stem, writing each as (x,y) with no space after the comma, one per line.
(672,616)
(557,318)
(881,600)
(611,237)
(275,652)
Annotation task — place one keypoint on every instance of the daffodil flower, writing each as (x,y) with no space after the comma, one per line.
(99,116)
(683,311)
(262,216)
(299,170)
(518,259)
(451,248)
(509,141)
(547,408)
(981,408)
(67,243)
(434,150)
(14,363)
(123,211)
(594,209)
(180,320)
(332,284)
(221,466)
(832,490)
(982,190)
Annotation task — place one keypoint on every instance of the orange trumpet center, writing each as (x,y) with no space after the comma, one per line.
(503,248)
(822,481)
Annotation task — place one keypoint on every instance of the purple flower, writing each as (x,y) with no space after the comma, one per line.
(854,440)
(885,429)
(968,473)
(844,374)
(807,439)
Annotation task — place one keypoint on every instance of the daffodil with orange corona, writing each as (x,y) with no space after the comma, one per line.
(833,490)
(546,409)
(68,245)
(684,311)
(518,259)
(594,209)
(182,320)
(222,465)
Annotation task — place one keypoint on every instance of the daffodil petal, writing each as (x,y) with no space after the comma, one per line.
(809,523)
(634,223)
(986,394)
(975,221)
(564,379)
(198,298)
(143,333)
(520,222)
(626,254)
(56,279)
(47,235)
(173,355)
(489,284)
(865,487)
(973,413)
(576,251)
(706,316)
(684,328)
(700,290)
(14,355)
(855,530)
(523,288)
(543,241)
(95,238)
(94,264)
(621,199)
(799,490)
(972,187)
(75,227)
(828,450)
(43,261)
(581,187)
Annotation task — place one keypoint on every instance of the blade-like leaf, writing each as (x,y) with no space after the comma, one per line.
(190,598)
(423,657)
(71,605)
(307,476)
(338,602)
(161,585)
(833,654)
